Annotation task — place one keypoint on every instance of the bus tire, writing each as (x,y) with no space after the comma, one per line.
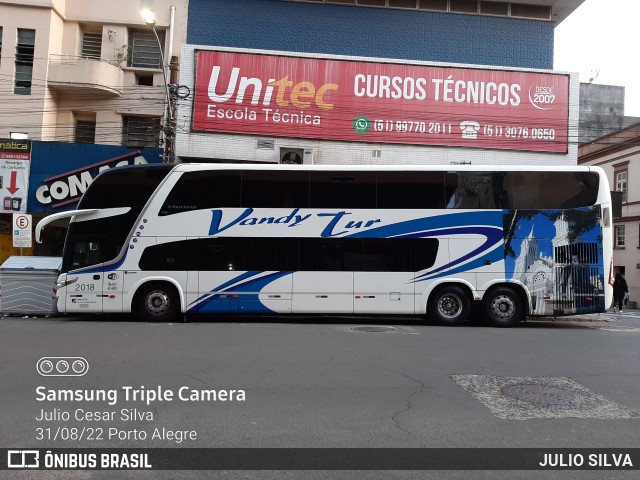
(449,305)
(503,307)
(157,302)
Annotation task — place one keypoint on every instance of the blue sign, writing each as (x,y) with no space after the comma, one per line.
(61,172)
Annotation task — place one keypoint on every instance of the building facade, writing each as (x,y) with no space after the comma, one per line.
(86,71)
(619,154)
(463,51)
(84,86)
(601,111)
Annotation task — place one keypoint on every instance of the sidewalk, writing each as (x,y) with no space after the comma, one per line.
(608,316)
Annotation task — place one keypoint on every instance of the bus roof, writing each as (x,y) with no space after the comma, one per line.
(125,168)
(191,167)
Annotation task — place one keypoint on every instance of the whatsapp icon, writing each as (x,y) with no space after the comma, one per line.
(361,124)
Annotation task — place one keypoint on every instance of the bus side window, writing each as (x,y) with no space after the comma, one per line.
(281,189)
(216,254)
(475,190)
(169,256)
(201,190)
(522,192)
(85,252)
(410,190)
(331,255)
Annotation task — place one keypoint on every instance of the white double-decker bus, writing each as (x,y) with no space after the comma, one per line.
(174,240)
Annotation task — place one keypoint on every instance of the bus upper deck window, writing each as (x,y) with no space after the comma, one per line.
(475,190)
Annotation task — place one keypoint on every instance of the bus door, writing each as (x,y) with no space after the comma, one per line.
(85,293)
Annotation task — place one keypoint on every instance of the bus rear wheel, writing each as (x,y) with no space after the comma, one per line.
(157,302)
(449,305)
(503,307)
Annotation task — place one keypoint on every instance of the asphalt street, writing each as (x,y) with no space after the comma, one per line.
(326,382)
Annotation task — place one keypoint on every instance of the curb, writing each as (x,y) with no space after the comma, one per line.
(589,318)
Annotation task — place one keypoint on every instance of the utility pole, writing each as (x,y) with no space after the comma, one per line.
(170,122)
(169,127)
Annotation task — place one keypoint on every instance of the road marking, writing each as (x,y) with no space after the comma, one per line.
(490,391)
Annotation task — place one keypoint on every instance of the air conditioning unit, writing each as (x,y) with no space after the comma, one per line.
(293,156)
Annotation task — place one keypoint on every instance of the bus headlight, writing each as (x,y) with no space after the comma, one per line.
(66,282)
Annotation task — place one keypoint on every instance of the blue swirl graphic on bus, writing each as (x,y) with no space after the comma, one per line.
(238,295)
(492,244)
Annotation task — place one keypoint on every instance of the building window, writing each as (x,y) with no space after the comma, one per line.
(494,7)
(621,184)
(144,51)
(0,42)
(402,3)
(619,236)
(144,79)
(438,5)
(463,6)
(24,61)
(140,131)
(85,131)
(541,12)
(91,45)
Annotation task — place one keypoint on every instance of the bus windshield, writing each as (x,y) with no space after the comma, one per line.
(91,242)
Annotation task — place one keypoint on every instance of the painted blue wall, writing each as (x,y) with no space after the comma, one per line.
(372,32)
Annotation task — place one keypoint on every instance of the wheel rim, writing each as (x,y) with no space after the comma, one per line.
(503,307)
(157,302)
(450,305)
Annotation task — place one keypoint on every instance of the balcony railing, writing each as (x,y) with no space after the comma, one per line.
(75,59)
(76,74)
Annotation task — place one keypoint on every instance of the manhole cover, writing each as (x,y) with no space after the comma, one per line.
(373,329)
(541,394)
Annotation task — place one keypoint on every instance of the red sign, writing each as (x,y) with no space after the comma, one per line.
(380,102)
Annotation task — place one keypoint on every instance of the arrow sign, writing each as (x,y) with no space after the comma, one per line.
(12,186)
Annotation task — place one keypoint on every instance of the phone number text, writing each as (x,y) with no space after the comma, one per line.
(468,127)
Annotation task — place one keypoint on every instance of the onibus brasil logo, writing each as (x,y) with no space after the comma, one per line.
(361,124)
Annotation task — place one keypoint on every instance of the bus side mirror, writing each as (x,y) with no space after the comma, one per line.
(616,204)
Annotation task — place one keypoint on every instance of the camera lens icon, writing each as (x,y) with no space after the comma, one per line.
(62,366)
(45,367)
(80,367)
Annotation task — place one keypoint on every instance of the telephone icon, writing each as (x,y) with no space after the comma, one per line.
(469,129)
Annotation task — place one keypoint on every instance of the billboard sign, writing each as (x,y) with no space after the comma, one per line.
(61,172)
(15,162)
(11,149)
(380,102)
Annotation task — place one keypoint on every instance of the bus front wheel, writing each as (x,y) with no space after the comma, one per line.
(157,302)
(503,307)
(449,305)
